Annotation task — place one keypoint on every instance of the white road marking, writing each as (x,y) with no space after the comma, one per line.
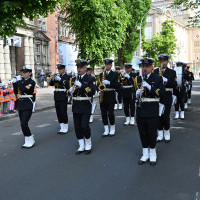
(197,196)
(199,171)
(43,125)
(17,133)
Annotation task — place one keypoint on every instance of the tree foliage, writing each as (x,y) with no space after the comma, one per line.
(137,9)
(189,5)
(13,12)
(99,26)
(163,42)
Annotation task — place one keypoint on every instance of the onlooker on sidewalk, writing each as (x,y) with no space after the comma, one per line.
(6,99)
(1,99)
(42,78)
(12,97)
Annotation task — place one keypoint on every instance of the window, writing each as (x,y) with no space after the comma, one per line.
(37,49)
(148,33)
(149,19)
(38,59)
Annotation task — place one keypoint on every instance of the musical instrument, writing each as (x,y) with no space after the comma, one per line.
(161,70)
(124,79)
(74,88)
(144,77)
(102,87)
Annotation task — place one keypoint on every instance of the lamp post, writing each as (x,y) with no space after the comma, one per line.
(141,33)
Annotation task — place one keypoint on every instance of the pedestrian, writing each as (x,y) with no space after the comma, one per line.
(25,88)
(12,97)
(169,78)
(61,83)
(6,99)
(128,94)
(82,91)
(1,100)
(150,88)
(108,83)
(42,78)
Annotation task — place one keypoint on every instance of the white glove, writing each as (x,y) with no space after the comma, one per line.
(106,82)
(164,79)
(57,78)
(186,83)
(14,80)
(70,89)
(146,85)
(138,93)
(19,78)
(78,83)
(99,93)
(127,76)
(123,73)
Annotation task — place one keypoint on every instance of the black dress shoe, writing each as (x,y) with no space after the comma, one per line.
(103,136)
(158,141)
(79,152)
(88,152)
(61,133)
(111,135)
(152,163)
(141,162)
(167,141)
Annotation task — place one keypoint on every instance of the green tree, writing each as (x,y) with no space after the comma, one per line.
(163,42)
(13,12)
(99,26)
(137,9)
(189,5)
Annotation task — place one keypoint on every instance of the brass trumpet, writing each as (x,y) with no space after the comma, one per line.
(102,87)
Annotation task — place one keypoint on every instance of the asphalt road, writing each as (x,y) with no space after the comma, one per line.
(52,171)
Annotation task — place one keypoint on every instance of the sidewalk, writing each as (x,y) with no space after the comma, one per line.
(44,100)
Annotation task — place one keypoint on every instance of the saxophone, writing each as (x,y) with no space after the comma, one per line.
(102,87)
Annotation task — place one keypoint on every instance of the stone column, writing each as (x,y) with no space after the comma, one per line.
(31,55)
(7,63)
(13,61)
(26,51)
(2,69)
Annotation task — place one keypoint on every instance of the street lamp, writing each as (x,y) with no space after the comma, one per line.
(141,33)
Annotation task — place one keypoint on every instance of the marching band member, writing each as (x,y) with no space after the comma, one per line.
(61,83)
(191,78)
(25,89)
(150,88)
(108,83)
(94,103)
(82,91)
(118,101)
(169,78)
(180,91)
(128,94)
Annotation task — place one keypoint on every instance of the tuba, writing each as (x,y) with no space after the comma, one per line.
(102,87)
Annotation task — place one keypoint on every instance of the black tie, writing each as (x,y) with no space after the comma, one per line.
(79,78)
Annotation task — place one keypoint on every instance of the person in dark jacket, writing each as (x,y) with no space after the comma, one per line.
(61,83)
(25,88)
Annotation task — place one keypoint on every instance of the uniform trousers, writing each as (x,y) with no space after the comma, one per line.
(164,120)
(118,97)
(81,125)
(147,128)
(129,106)
(189,92)
(61,111)
(180,101)
(107,111)
(24,116)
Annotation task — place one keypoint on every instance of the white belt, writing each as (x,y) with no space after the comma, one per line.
(127,86)
(60,90)
(26,96)
(169,89)
(150,100)
(81,98)
(109,89)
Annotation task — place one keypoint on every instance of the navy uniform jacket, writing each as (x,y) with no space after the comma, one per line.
(170,74)
(88,89)
(150,109)
(62,84)
(129,92)
(25,87)
(109,96)
(191,77)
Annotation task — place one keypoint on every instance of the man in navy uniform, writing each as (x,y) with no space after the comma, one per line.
(89,73)
(25,88)
(190,79)
(82,91)
(118,102)
(128,94)
(110,80)
(149,88)
(180,92)
(169,78)
(61,83)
